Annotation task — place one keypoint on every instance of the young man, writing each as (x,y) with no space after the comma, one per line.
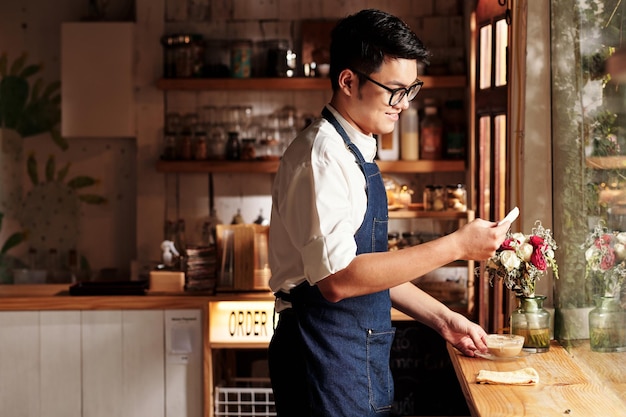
(334,279)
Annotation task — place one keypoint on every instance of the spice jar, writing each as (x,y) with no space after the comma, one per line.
(427,197)
(456,197)
(248,151)
(439,198)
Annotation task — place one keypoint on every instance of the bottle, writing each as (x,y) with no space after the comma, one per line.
(409,137)
(455,130)
(431,134)
(233,147)
(389,145)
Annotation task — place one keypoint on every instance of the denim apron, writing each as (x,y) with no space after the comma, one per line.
(332,359)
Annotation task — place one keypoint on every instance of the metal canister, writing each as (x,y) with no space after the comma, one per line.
(240,58)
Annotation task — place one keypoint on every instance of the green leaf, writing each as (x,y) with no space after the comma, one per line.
(31,167)
(13,98)
(51,88)
(92,199)
(13,240)
(63,172)
(81,182)
(18,64)
(50,168)
(30,70)
(34,95)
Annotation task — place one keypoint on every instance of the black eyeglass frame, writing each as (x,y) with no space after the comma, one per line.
(417,86)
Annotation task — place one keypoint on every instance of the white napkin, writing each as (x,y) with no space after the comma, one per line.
(526,376)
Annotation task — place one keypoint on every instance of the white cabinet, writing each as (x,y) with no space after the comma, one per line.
(101,363)
(97,79)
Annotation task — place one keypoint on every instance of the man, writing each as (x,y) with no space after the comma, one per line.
(334,279)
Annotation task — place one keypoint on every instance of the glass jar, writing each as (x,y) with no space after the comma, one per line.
(427,197)
(430,139)
(532,321)
(439,198)
(607,325)
(456,196)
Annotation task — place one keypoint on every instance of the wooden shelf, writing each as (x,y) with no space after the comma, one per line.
(269,167)
(606,162)
(197,167)
(422,166)
(284,84)
(440,215)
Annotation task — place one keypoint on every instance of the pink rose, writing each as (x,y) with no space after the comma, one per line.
(604,240)
(608,259)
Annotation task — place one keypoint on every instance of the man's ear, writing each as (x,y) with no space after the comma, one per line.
(347,81)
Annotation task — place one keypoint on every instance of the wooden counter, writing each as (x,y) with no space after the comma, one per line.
(572,382)
(57,297)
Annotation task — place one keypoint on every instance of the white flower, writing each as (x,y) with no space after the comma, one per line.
(509,260)
(621,237)
(620,251)
(519,237)
(525,251)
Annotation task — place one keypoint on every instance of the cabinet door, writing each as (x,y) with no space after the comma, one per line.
(60,364)
(19,364)
(122,359)
(183,368)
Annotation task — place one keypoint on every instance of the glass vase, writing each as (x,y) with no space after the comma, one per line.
(607,332)
(532,321)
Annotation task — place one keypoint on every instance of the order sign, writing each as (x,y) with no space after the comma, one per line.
(241,321)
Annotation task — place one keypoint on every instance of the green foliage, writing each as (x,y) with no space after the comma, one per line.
(12,241)
(29,111)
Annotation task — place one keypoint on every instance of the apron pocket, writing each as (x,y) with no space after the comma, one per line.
(378,372)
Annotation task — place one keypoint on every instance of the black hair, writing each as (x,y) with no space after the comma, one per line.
(362,41)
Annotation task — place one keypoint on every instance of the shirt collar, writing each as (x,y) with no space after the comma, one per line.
(365,143)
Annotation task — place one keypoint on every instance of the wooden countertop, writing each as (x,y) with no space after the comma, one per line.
(57,297)
(573,381)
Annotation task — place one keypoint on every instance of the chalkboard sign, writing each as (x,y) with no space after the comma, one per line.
(425,382)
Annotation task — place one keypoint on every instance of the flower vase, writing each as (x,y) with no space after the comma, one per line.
(607,321)
(532,321)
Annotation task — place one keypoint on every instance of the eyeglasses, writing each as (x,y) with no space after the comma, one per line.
(397,94)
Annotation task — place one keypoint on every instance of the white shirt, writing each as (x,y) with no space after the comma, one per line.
(318,204)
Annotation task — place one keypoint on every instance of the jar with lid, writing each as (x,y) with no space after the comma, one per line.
(456,197)
(199,144)
(277,58)
(240,58)
(187,53)
(431,134)
(439,198)
(248,151)
(216,136)
(427,197)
